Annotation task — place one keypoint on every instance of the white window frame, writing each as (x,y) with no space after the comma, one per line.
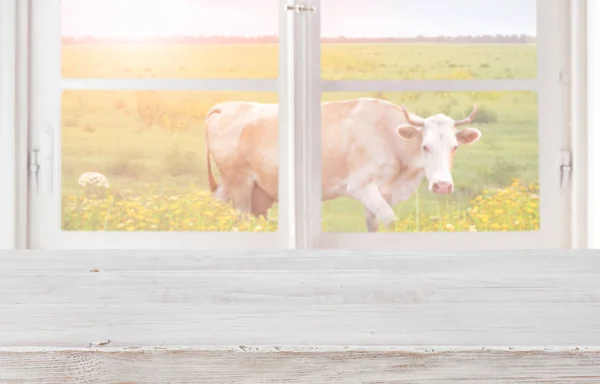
(45,137)
(8,119)
(306,233)
(587,114)
(551,85)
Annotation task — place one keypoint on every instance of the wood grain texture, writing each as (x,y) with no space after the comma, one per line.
(213,367)
(299,298)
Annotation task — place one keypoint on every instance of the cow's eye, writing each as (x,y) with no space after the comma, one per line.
(425,148)
(454,148)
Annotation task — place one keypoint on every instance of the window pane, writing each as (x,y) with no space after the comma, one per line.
(371,158)
(170,39)
(429,39)
(136,161)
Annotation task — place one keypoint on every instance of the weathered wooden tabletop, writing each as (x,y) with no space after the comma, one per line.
(299,316)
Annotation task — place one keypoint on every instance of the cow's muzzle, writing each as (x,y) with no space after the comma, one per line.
(442,188)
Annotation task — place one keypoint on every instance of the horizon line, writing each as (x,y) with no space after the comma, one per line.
(496,35)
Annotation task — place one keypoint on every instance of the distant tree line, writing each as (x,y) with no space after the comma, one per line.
(470,39)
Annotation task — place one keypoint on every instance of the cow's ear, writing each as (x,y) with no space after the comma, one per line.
(468,135)
(407,131)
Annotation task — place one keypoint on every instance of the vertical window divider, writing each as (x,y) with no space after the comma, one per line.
(287,112)
(305,47)
(314,131)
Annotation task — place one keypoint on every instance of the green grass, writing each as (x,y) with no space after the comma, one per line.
(339,61)
(427,61)
(140,138)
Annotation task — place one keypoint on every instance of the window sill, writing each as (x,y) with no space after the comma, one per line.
(69,299)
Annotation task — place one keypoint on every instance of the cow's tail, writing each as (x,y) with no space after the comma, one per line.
(212,183)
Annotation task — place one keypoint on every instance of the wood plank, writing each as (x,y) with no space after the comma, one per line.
(350,367)
(504,263)
(302,298)
(298,288)
(361,325)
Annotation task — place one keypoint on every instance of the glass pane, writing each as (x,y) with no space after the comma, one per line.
(136,161)
(170,39)
(372,158)
(428,39)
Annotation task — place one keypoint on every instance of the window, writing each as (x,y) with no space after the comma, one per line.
(433,57)
(125,115)
(133,124)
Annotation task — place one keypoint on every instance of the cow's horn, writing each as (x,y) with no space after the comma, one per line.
(467,119)
(409,120)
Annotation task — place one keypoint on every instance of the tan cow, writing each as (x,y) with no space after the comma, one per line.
(372,150)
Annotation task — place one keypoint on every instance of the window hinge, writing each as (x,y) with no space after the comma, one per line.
(565,168)
(300,8)
(34,166)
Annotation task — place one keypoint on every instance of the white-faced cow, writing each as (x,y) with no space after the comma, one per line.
(372,150)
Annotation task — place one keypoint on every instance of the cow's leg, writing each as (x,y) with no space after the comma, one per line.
(373,200)
(372,224)
(261,201)
(241,198)
(248,198)
(371,219)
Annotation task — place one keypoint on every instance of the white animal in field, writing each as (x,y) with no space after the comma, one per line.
(95,179)
(372,150)
(95,184)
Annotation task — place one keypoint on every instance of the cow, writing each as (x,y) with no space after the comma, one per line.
(372,150)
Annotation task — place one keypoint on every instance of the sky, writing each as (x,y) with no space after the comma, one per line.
(350,18)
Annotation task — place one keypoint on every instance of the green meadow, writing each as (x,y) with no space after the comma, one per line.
(152,142)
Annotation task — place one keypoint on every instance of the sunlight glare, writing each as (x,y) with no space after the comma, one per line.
(132,18)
